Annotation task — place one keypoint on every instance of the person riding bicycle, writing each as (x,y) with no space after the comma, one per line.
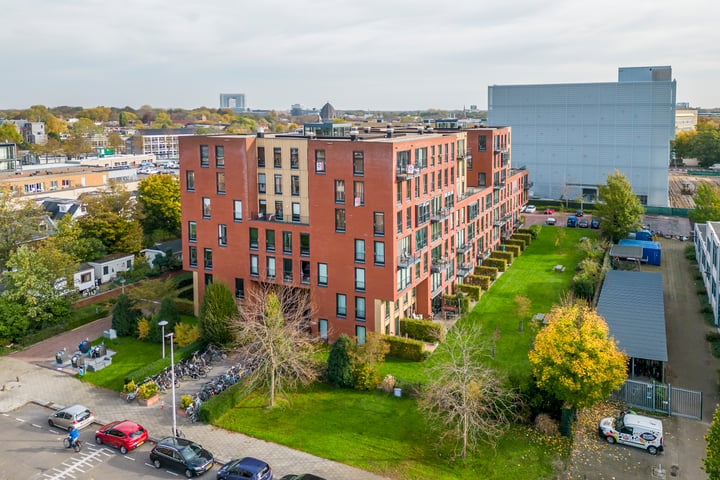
(73,436)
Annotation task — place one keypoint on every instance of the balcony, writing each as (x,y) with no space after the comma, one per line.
(438,264)
(407,172)
(465,269)
(271,217)
(503,220)
(469,192)
(528,186)
(464,248)
(407,260)
(499,185)
(443,214)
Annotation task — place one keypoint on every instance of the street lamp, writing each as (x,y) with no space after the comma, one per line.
(172,373)
(162,324)
(122,284)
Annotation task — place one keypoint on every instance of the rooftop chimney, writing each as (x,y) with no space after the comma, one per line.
(354,132)
(260,132)
(389,131)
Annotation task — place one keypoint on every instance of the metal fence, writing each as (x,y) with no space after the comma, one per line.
(660,397)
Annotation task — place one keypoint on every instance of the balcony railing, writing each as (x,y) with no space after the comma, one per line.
(469,192)
(271,217)
(465,269)
(438,264)
(407,172)
(407,260)
(464,248)
(529,185)
(499,185)
(441,215)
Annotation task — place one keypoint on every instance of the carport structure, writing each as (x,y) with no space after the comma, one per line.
(632,305)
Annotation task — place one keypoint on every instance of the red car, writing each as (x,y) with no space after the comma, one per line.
(124,435)
(549,211)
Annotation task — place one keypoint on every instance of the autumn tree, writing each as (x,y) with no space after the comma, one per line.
(217,313)
(618,207)
(464,400)
(272,332)
(116,142)
(10,134)
(367,359)
(69,238)
(705,145)
(148,294)
(19,222)
(711,463)
(112,218)
(159,200)
(575,357)
(707,204)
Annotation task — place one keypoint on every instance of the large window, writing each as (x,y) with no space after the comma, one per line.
(261,156)
(190,180)
(305,244)
(358,163)
(206,207)
(379,253)
(237,210)
(254,265)
(287,270)
(219,156)
(192,256)
(360,309)
(261,183)
(359,250)
(253,238)
(360,334)
(192,231)
(270,240)
(294,159)
(287,243)
(204,156)
(220,182)
(378,223)
(278,184)
(270,268)
(222,235)
(339,191)
(319,161)
(360,279)
(278,210)
(359,193)
(339,219)
(296,212)
(341,305)
(239,288)
(277,157)
(322,274)
(295,185)
(482,143)
(207,258)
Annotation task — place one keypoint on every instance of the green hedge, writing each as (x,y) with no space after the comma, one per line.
(498,263)
(527,231)
(482,281)
(525,237)
(511,242)
(405,348)
(486,271)
(218,405)
(514,249)
(425,330)
(507,256)
(185,307)
(472,291)
(449,299)
(535,230)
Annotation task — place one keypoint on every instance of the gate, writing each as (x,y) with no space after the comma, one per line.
(660,397)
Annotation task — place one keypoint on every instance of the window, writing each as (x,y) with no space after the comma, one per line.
(482,143)
(305,244)
(323,328)
(417,187)
(322,274)
(204,156)
(408,218)
(295,186)
(287,270)
(379,223)
(192,256)
(206,207)
(208,279)
(222,235)
(341,305)
(261,156)
(253,238)
(359,250)
(278,184)
(287,243)
(270,268)
(399,193)
(360,334)
(220,182)
(277,157)
(270,240)
(319,161)
(420,239)
(425,184)
(295,212)
(399,221)
(305,272)
(360,309)
(294,159)
(642,199)
(360,279)
(207,258)
(481,179)
(219,156)
(237,210)
(278,210)
(190,180)
(379,253)
(254,265)
(339,219)
(261,183)
(359,163)
(339,191)
(359,193)
(192,231)
(239,288)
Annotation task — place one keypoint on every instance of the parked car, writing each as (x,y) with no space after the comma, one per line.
(304,476)
(579,213)
(595,223)
(583,223)
(124,435)
(531,209)
(182,455)
(636,430)
(549,211)
(245,468)
(550,221)
(77,416)
(572,221)
(523,209)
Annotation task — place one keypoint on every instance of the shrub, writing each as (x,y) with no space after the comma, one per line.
(507,256)
(535,231)
(481,281)
(515,243)
(405,348)
(583,286)
(168,312)
(546,425)
(525,237)
(185,401)
(498,263)
(124,317)
(472,291)
(185,307)
(339,367)
(424,330)
(690,252)
(706,309)
(218,309)
(410,389)
(452,300)
(147,390)
(527,231)
(143,328)
(365,376)
(491,272)
(129,387)
(185,334)
(514,249)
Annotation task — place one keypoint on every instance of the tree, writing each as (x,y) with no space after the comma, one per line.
(575,358)
(217,312)
(339,366)
(464,400)
(707,204)
(159,199)
(147,294)
(711,463)
(13,323)
(68,238)
(705,145)
(124,317)
(618,207)
(681,146)
(116,142)
(10,134)
(168,312)
(272,334)
(367,359)
(19,223)
(113,219)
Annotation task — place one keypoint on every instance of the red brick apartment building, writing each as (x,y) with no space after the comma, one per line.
(378,225)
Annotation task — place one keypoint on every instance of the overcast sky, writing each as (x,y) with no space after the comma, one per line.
(371,54)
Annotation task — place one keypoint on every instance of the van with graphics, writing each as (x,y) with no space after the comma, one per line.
(636,430)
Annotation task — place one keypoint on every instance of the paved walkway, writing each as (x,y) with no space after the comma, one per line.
(28,376)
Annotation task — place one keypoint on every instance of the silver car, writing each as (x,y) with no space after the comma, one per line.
(76,416)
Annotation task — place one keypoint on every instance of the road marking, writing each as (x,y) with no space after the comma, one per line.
(172,473)
(77,465)
(53,431)
(20,420)
(129,457)
(36,426)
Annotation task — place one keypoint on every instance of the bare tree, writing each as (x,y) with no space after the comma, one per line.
(464,400)
(274,339)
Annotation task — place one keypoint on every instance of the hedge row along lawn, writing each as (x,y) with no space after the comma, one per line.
(379,433)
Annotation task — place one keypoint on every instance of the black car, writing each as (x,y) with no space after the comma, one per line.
(304,476)
(595,223)
(579,213)
(583,223)
(247,468)
(182,455)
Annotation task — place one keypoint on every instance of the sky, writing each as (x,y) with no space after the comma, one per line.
(364,54)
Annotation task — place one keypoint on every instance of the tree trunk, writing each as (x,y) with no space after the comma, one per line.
(465,436)
(272,387)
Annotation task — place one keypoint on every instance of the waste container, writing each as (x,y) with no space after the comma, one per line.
(74,360)
(59,357)
(81,370)
(397,392)
(84,346)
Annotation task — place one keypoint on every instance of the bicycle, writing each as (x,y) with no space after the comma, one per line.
(77,446)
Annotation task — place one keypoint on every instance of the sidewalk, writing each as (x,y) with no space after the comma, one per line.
(24,382)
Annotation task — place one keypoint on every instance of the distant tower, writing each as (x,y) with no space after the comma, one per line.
(234,101)
(327,113)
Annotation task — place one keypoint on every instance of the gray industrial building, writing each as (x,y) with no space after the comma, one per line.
(572,136)
(234,101)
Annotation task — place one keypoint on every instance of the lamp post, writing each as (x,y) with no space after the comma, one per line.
(162,324)
(172,373)
(122,285)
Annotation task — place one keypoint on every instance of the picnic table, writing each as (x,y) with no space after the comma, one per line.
(559,268)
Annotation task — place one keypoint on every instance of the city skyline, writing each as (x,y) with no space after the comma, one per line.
(368,56)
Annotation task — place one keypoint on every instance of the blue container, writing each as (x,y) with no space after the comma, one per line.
(651,250)
(644,235)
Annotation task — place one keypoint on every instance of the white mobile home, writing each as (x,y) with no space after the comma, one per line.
(106,269)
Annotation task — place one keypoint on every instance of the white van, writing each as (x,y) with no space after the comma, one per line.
(635,430)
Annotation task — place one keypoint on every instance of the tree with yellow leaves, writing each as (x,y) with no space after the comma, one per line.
(575,358)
